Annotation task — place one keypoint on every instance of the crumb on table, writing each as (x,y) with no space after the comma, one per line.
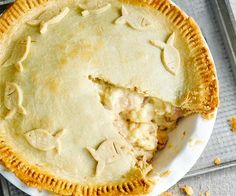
(165,173)
(166,194)
(207,193)
(188,190)
(233,124)
(217,161)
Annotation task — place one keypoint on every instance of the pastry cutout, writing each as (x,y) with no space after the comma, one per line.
(33,22)
(42,140)
(108,151)
(94,8)
(170,55)
(53,20)
(136,21)
(19,65)
(144,165)
(13,98)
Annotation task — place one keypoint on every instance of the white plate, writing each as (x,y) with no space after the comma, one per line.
(179,156)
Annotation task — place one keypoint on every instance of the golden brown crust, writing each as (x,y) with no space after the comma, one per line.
(204,65)
(15,11)
(204,104)
(33,176)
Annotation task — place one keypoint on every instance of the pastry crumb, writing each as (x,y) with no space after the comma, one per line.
(188,190)
(207,193)
(166,194)
(233,124)
(170,146)
(162,137)
(195,141)
(217,161)
(165,173)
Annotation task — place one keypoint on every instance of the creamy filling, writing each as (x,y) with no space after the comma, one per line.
(143,121)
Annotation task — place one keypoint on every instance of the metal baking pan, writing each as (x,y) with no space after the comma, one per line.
(226,19)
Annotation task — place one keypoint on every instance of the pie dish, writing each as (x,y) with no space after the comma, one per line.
(91,89)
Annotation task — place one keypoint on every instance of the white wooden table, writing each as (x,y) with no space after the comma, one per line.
(219,183)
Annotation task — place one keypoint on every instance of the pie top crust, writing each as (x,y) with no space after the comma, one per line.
(53,127)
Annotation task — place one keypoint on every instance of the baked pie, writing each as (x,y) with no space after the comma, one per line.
(90,89)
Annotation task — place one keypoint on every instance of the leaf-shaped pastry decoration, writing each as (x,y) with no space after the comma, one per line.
(158,44)
(94,8)
(33,22)
(19,65)
(171,59)
(170,55)
(108,151)
(171,40)
(53,20)
(41,139)
(13,98)
(134,20)
(124,15)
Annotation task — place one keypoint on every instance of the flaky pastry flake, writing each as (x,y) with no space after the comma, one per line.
(144,166)
(162,138)
(166,194)
(188,190)
(165,173)
(136,21)
(207,193)
(217,161)
(53,20)
(233,124)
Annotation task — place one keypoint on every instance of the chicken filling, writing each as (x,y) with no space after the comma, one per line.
(143,121)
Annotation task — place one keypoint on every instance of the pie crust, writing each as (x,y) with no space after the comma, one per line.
(199,96)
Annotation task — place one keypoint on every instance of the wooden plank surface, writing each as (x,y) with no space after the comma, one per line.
(219,183)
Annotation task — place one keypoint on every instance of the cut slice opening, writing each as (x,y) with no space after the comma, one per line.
(143,121)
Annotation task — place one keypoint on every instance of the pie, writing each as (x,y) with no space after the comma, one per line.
(89,90)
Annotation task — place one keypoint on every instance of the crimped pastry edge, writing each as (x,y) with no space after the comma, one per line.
(192,101)
(34,176)
(206,105)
